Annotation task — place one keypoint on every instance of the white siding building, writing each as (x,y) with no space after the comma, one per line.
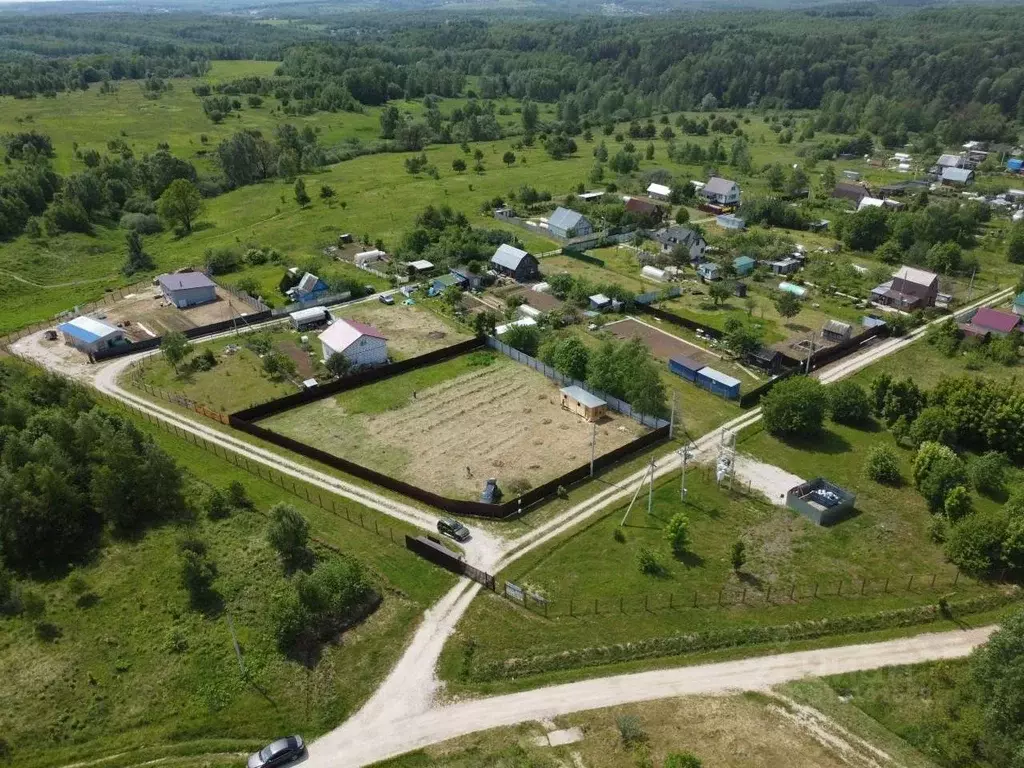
(362,344)
(89,334)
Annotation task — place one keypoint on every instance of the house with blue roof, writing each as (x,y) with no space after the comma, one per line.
(567,223)
(310,288)
(90,335)
(1018,304)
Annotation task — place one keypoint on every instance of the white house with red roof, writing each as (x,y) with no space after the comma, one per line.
(362,344)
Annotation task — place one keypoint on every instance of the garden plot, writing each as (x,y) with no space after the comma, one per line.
(449,427)
(146,313)
(410,329)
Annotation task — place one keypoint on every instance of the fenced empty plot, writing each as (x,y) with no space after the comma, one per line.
(449,427)
(662,345)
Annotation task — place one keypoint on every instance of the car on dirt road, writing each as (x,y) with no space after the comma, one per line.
(452,528)
(277,753)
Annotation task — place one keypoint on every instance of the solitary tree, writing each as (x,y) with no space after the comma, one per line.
(181,204)
(175,347)
(719,291)
(738,556)
(786,304)
(485,322)
(458,165)
(509,158)
(677,532)
(138,260)
(288,534)
(301,196)
(326,192)
(795,407)
(338,364)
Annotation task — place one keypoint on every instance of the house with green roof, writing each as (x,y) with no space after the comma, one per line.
(743,265)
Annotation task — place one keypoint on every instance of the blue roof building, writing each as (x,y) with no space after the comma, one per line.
(89,334)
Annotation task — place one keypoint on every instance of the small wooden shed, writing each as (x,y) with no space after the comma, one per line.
(583,403)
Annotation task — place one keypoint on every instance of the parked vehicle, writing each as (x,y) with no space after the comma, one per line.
(386,299)
(452,528)
(280,752)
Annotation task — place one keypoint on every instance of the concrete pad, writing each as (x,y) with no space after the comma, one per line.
(566,736)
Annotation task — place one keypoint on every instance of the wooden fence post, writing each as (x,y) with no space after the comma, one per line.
(792,589)
(933,580)
(910,583)
(839,592)
(957,577)
(885,589)
(768,596)
(815,589)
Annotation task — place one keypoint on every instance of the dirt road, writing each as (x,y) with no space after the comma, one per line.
(358,745)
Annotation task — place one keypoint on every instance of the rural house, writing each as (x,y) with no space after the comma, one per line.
(309,288)
(767,359)
(89,334)
(957,177)
(950,161)
(909,288)
(991,321)
(643,209)
(671,237)
(709,270)
(440,284)
(567,223)
(852,192)
(515,263)
(470,280)
(361,344)
(658,191)
(187,289)
(583,403)
(719,191)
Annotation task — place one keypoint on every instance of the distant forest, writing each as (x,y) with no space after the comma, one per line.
(956,71)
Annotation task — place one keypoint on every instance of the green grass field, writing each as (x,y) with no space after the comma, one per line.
(237,381)
(113,682)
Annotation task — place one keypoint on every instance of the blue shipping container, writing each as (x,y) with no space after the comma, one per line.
(719,383)
(685,367)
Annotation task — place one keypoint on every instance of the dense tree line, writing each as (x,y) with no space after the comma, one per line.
(71,472)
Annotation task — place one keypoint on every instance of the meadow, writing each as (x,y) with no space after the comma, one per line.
(135,671)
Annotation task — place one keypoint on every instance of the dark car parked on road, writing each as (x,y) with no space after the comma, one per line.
(452,528)
(280,752)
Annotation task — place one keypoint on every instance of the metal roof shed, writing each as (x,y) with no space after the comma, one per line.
(583,403)
(686,367)
(718,383)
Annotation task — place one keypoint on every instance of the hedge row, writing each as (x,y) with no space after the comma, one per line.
(675,645)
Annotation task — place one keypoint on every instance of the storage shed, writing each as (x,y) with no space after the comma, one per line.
(308,318)
(709,270)
(728,221)
(718,382)
(836,331)
(743,265)
(686,367)
(819,500)
(583,403)
(89,334)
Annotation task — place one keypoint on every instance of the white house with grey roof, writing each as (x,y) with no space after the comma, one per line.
(187,289)
(515,263)
(721,191)
(567,223)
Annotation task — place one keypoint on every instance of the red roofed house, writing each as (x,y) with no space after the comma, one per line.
(995,321)
(362,344)
(643,209)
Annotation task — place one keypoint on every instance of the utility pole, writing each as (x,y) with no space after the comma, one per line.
(650,489)
(970,286)
(593,447)
(808,366)
(238,650)
(683,456)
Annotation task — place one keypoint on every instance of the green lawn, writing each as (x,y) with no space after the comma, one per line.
(237,381)
(113,682)
(613,602)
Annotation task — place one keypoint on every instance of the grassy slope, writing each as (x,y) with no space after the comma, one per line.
(112,683)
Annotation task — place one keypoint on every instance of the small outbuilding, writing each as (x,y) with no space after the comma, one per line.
(90,335)
(187,289)
(718,383)
(728,221)
(767,359)
(369,258)
(836,331)
(709,270)
(743,265)
(440,284)
(308,318)
(1018,304)
(820,501)
(419,266)
(957,177)
(786,266)
(362,344)
(653,273)
(658,191)
(599,302)
(583,403)
(686,367)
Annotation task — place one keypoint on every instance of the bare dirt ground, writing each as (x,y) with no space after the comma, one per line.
(770,480)
(146,313)
(410,330)
(503,421)
(662,345)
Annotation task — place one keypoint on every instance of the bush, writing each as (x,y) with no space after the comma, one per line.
(988,472)
(238,496)
(619,535)
(933,424)
(795,407)
(937,471)
(143,223)
(648,563)
(630,730)
(288,534)
(218,506)
(848,403)
(957,504)
(198,572)
(882,465)
(677,533)
(47,631)
(975,544)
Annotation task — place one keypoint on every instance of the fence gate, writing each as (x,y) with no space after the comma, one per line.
(481,576)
